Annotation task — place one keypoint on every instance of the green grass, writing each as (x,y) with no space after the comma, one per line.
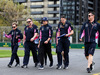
(7,53)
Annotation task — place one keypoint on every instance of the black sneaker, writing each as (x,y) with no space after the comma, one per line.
(51,65)
(65,67)
(56,64)
(36,64)
(41,68)
(17,65)
(88,70)
(58,67)
(92,66)
(24,66)
(9,65)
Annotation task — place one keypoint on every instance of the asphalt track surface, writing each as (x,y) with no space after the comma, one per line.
(77,66)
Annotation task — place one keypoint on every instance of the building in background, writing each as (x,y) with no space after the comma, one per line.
(74,10)
(97,9)
(43,8)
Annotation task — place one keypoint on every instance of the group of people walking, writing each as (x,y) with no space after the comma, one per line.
(89,31)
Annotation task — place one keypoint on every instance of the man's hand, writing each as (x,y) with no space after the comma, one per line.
(80,39)
(66,35)
(46,42)
(23,42)
(62,52)
(31,39)
(17,37)
(57,42)
(38,45)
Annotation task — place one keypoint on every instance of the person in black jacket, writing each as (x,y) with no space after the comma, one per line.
(15,35)
(45,54)
(30,33)
(45,44)
(64,31)
(89,30)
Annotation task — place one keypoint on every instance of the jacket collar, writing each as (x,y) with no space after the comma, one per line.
(92,22)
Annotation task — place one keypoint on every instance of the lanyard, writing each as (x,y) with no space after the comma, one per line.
(90,31)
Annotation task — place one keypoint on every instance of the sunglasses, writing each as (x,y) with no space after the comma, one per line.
(28,21)
(90,15)
(13,27)
(62,20)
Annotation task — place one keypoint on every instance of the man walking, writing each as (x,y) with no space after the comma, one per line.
(30,33)
(89,30)
(64,31)
(45,44)
(15,35)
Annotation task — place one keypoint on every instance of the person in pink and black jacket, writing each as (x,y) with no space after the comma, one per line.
(30,33)
(64,31)
(15,34)
(46,33)
(90,31)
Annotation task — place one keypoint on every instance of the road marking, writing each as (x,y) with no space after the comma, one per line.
(97,74)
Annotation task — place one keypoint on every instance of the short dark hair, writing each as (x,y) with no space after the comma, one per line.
(30,19)
(63,16)
(92,12)
(14,23)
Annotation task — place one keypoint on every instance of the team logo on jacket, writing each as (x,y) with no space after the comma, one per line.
(16,33)
(27,28)
(42,28)
(86,25)
(47,28)
(95,25)
(66,25)
(12,33)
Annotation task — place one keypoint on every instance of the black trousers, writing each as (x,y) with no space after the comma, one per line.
(45,48)
(14,54)
(30,46)
(63,45)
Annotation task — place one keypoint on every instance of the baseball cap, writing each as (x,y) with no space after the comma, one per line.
(44,19)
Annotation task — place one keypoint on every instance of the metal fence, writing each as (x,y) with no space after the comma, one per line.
(6,29)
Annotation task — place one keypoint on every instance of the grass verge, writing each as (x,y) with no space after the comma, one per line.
(7,53)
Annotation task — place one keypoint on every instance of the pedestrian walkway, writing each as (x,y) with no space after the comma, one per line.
(77,66)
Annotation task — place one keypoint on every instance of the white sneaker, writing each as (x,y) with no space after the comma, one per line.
(58,67)
(65,67)
(41,68)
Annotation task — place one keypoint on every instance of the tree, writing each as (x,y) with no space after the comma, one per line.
(10,11)
(36,23)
